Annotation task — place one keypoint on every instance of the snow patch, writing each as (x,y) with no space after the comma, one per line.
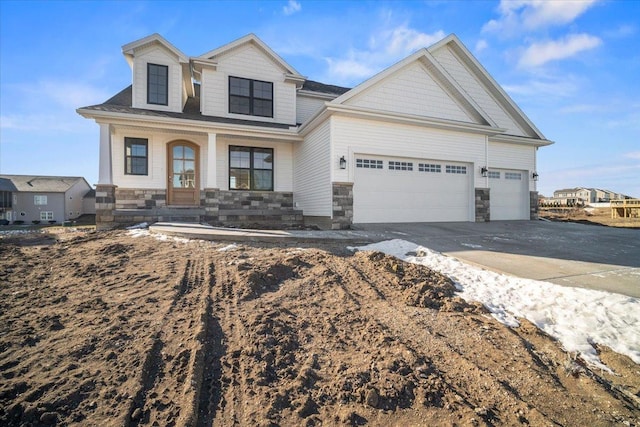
(576,317)
(230,247)
(471,245)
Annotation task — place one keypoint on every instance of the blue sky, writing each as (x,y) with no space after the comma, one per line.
(572,66)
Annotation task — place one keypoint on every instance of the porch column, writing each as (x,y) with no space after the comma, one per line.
(210,181)
(104,169)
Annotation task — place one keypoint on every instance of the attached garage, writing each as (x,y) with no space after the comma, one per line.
(509,194)
(390,189)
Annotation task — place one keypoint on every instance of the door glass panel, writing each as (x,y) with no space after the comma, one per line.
(178,166)
(189,153)
(189,166)
(178,152)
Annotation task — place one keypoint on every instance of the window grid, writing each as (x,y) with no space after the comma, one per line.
(456,169)
(136,156)
(250,97)
(39,200)
(46,215)
(250,168)
(400,166)
(369,164)
(429,167)
(513,175)
(157,84)
(494,175)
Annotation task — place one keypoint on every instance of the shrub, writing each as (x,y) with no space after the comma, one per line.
(36,221)
(18,222)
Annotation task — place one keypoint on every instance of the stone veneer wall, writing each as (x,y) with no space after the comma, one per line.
(105,204)
(140,198)
(342,211)
(265,208)
(533,204)
(483,204)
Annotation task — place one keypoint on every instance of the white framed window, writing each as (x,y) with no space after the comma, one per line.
(513,175)
(46,215)
(429,167)
(400,166)
(494,175)
(456,169)
(369,164)
(39,200)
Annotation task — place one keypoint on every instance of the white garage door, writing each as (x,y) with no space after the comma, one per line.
(509,194)
(409,190)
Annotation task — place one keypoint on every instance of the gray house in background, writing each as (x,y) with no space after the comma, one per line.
(46,199)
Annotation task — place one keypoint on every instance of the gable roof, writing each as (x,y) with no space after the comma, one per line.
(252,39)
(42,184)
(437,73)
(488,83)
(313,86)
(129,49)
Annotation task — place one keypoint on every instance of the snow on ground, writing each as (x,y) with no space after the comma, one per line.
(576,317)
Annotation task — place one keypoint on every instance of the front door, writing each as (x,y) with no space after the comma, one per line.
(184,177)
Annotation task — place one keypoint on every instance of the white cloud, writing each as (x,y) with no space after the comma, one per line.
(557,87)
(530,15)
(385,48)
(481,45)
(538,54)
(292,7)
(633,155)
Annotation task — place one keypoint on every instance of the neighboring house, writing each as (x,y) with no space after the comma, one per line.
(238,136)
(45,199)
(581,196)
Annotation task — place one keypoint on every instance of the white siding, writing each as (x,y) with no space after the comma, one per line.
(157,166)
(157,55)
(282,165)
(312,173)
(74,200)
(350,136)
(247,62)
(512,156)
(411,90)
(476,90)
(306,107)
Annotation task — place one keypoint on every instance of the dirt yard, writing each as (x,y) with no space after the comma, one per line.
(593,216)
(107,329)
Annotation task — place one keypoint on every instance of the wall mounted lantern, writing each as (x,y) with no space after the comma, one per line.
(484,171)
(534,176)
(343,163)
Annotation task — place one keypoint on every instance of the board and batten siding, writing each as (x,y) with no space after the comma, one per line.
(250,63)
(160,56)
(512,156)
(413,91)
(306,107)
(157,152)
(476,90)
(282,163)
(352,136)
(312,173)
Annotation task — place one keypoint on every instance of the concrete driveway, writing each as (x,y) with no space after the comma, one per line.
(570,254)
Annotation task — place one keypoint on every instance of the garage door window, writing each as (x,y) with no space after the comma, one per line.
(369,164)
(400,166)
(513,175)
(456,169)
(428,167)
(494,175)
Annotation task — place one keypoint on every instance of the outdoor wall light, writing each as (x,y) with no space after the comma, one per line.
(484,171)
(343,163)
(534,176)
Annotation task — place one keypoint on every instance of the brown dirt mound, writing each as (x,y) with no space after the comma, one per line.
(106,329)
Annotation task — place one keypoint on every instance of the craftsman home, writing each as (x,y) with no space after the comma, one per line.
(238,136)
(43,199)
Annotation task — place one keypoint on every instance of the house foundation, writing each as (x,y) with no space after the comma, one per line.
(483,204)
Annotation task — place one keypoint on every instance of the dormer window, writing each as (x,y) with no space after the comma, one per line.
(250,97)
(157,84)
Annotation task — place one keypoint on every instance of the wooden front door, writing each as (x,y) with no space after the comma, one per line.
(183,185)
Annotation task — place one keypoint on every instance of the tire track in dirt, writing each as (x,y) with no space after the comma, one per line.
(172,372)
